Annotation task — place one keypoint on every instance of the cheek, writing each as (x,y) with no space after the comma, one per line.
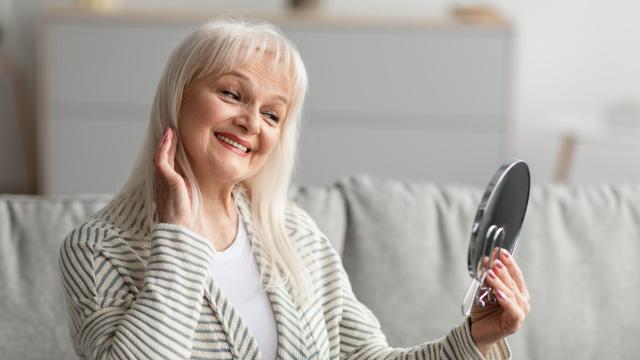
(205,106)
(271,140)
(191,115)
(206,110)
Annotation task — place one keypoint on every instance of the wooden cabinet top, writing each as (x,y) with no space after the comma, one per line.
(283,16)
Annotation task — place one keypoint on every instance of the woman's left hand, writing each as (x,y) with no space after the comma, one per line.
(496,321)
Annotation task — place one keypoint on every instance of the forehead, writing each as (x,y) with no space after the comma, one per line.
(263,73)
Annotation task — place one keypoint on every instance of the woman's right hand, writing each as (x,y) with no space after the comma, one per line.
(172,191)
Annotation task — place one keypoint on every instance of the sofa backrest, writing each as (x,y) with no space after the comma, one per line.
(404,247)
(33,318)
(33,313)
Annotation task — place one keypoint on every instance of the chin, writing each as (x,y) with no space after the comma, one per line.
(238,175)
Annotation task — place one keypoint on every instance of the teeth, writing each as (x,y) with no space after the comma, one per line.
(231,142)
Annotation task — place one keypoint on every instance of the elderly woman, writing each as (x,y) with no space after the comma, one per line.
(201,256)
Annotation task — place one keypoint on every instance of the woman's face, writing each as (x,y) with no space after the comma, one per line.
(246,106)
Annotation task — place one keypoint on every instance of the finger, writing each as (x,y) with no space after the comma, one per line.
(509,299)
(495,282)
(501,256)
(499,279)
(162,138)
(163,167)
(484,263)
(159,148)
(505,277)
(172,139)
(513,314)
(503,273)
(515,272)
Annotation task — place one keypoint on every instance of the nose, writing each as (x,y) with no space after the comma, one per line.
(249,120)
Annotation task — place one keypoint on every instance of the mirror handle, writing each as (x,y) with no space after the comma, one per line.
(470,296)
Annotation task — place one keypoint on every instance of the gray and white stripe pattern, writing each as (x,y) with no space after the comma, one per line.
(143,291)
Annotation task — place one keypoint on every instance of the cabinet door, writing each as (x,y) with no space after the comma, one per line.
(427,103)
(99,79)
(413,103)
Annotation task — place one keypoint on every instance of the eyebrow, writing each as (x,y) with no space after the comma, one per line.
(248,79)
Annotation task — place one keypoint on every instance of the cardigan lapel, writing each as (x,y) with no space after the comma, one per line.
(243,344)
(292,342)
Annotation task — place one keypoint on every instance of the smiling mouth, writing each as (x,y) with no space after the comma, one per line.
(233,143)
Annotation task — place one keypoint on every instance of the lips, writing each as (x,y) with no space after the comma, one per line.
(236,139)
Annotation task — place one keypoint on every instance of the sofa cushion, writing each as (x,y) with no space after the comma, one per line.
(579,249)
(405,252)
(33,319)
(325,205)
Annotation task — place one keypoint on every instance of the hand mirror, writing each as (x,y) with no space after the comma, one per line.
(496,227)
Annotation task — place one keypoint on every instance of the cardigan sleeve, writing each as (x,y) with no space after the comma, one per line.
(360,333)
(106,322)
(361,337)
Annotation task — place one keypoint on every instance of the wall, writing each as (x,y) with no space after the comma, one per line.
(572,57)
(575,58)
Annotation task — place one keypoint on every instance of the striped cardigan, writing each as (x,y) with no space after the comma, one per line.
(144,291)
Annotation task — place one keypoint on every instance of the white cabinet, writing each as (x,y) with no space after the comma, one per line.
(395,98)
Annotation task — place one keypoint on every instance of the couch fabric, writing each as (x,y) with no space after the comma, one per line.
(404,247)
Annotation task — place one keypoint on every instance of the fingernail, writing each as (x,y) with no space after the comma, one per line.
(505,254)
(491,274)
(499,264)
(500,294)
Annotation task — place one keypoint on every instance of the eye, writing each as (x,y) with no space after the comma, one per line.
(231,94)
(271,115)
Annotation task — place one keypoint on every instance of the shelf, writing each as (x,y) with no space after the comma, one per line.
(284,16)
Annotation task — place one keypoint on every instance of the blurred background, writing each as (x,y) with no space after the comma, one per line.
(438,90)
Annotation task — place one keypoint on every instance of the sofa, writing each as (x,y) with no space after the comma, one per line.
(404,246)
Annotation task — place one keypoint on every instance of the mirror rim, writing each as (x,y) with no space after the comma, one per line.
(487,205)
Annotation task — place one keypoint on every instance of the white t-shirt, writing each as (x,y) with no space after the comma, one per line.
(236,273)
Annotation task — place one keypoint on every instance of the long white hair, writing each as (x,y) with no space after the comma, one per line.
(215,48)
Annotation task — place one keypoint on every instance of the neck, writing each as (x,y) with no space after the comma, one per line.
(217,202)
(218,217)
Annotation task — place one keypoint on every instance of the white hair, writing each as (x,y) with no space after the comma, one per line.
(215,48)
